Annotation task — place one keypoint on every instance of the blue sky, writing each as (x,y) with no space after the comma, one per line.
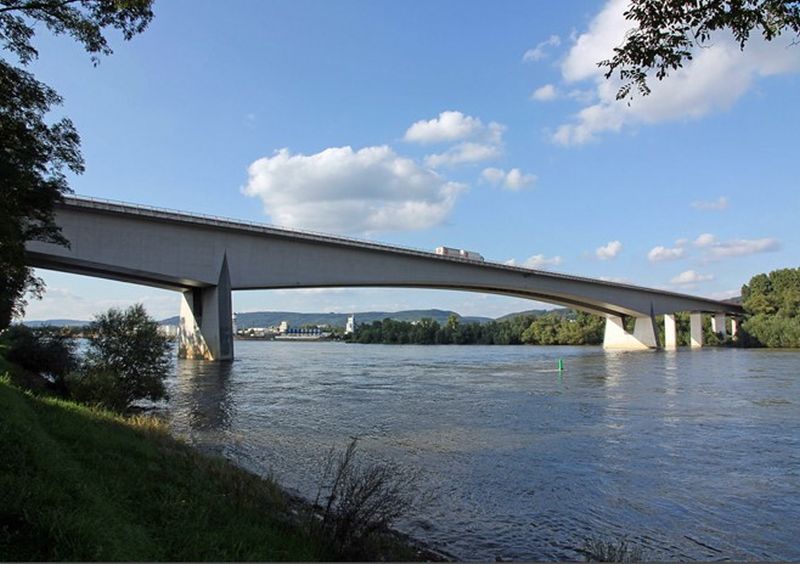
(478,125)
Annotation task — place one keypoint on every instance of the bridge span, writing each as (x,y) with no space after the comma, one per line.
(207,257)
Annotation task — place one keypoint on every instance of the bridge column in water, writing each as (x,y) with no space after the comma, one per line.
(696,330)
(670,332)
(718,324)
(206,325)
(617,338)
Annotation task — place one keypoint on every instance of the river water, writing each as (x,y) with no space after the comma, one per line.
(687,455)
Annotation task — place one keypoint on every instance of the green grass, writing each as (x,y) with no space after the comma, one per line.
(81,484)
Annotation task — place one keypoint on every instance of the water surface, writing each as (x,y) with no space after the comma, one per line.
(688,455)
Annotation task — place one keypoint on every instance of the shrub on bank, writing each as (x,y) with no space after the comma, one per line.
(357,503)
(97,387)
(595,550)
(127,360)
(46,351)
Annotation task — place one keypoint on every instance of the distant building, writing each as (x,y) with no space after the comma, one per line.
(283,327)
(170,331)
(350,327)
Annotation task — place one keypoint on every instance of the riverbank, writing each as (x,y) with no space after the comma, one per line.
(78,483)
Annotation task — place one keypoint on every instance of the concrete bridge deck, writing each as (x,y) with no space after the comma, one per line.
(207,257)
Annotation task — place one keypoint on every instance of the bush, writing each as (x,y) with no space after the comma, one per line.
(602,551)
(46,351)
(127,360)
(97,388)
(359,501)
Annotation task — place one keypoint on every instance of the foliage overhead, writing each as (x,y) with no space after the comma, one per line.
(37,152)
(668,31)
(84,20)
(33,161)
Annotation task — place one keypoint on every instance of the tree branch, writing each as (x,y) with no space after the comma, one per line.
(38,6)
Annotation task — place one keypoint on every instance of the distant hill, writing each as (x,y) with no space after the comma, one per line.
(272,318)
(56,323)
(294,319)
(536,313)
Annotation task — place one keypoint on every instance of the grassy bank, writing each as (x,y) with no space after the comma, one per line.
(82,484)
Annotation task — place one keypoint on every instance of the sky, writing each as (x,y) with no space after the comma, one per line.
(480,125)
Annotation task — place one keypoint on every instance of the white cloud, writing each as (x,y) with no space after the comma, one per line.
(725,294)
(582,95)
(545,93)
(719,204)
(608,251)
(449,126)
(513,180)
(615,279)
(715,249)
(540,51)
(516,180)
(606,31)
(312,291)
(541,262)
(463,153)
(741,248)
(346,191)
(689,277)
(493,175)
(477,142)
(660,254)
(705,240)
(719,74)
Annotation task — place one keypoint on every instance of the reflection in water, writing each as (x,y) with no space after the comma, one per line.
(202,393)
(690,455)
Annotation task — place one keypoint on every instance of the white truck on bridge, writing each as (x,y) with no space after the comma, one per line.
(459,253)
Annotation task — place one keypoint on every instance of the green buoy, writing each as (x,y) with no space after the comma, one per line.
(560,364)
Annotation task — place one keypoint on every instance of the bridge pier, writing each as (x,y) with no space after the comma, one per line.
(696,330)
(206,324)
(718,325)
(643,337)
(670,332)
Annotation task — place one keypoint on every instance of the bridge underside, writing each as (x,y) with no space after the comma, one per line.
(206,261)
(206,327)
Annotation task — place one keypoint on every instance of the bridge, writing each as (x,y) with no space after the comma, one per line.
(207,257)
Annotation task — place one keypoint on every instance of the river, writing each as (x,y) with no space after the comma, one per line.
(691,455)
